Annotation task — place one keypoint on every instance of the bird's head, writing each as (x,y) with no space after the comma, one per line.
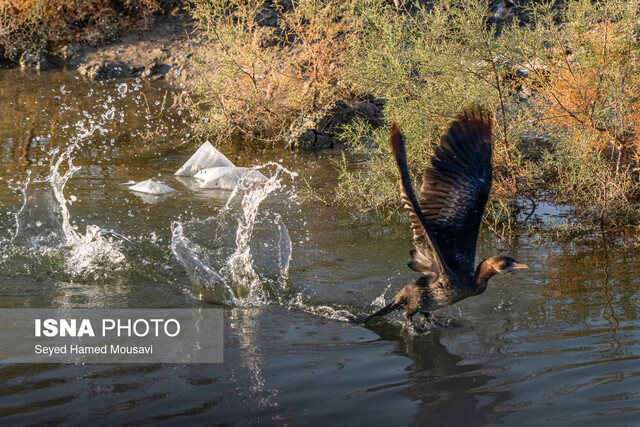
(498,264)
(505,264)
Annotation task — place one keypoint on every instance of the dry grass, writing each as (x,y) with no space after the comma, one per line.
(266,76)
(37,24)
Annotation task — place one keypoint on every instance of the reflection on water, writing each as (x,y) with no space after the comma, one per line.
(558,343)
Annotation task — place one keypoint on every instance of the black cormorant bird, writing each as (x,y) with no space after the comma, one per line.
(446,220)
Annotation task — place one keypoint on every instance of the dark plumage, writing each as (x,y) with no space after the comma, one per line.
(446,219)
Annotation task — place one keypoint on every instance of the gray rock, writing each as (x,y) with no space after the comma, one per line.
(267,17)
(501,11)
(74,55)
(108,70)
(371,111)
(35,60)
(311,139)
(157,70)
(318,131)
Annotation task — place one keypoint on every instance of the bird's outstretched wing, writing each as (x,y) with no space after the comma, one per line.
(453,195)
(455,190)
(426,257)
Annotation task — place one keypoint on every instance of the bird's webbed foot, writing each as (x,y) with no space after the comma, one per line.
(428,316)
(415,326)
(432,319)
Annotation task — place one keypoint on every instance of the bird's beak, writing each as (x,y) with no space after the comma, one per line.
(515,266)
(519,266)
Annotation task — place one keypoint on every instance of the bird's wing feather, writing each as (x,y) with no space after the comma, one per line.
(455,190)
(426,258)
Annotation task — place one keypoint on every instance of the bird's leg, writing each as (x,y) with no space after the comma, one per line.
(432,319)
(408,314)
(428,316)
(417,328)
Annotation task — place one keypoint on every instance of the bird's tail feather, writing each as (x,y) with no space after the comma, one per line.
(397,143)
(366,317)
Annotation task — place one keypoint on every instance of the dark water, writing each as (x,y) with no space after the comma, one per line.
(555,344)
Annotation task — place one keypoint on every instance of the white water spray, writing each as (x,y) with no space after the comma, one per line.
(245,269)
(43,223)
(248,262)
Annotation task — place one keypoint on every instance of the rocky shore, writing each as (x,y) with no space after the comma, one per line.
(162,51)
(167,51)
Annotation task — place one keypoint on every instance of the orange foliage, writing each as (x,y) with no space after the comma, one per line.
(591,86)
(28,24)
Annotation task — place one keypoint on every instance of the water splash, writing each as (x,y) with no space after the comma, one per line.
(43,221)
(189,254)
(381,301)
(303,303)
(241,255)
(238,258)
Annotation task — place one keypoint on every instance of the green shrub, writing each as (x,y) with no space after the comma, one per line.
(428,65)
(577,62)
(578,175)
(585,60)
(570,70)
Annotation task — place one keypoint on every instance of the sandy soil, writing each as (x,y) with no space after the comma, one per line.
(162,51)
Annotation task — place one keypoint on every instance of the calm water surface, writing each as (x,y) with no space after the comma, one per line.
(555,344)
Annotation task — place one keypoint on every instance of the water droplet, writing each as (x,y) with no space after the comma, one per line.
(122,89)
